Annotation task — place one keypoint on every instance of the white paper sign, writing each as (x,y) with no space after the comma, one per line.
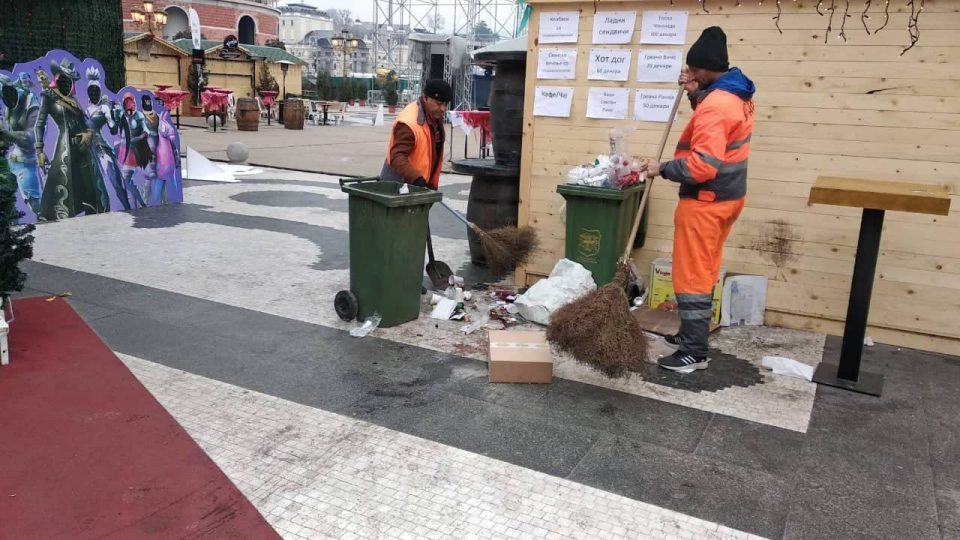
(553,101)
(557,64)
(607,103)
(659,66)
(666,27)
(614,27)
(609,64)
(559,26)
(654,105)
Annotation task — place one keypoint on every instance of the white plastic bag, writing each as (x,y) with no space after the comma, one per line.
(567,282)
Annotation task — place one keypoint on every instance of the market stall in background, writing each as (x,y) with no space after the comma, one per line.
(872,95)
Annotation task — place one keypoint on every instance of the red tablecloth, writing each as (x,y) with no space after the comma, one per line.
(268,96)
(171,99)
(215,100)
(477,120)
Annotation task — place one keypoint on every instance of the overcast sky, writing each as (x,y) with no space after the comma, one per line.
(363,9)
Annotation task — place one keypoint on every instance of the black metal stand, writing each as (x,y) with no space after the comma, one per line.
(847,374)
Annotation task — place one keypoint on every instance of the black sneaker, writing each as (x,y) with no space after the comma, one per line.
(673,340)
(679,361)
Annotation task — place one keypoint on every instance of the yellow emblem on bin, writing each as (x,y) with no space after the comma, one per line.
(588,245)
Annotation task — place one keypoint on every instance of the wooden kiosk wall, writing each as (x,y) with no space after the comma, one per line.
(855,109)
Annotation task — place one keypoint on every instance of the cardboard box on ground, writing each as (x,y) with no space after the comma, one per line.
(518,356)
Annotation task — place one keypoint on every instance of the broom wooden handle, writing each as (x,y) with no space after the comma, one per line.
(458,216)
(649,187)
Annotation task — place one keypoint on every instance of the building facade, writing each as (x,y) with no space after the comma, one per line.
(318,54)
(298,20)
(254,22)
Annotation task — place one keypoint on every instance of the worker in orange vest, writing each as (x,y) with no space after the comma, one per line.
(710,164)
(415,154)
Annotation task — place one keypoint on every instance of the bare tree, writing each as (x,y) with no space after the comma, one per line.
(342,18)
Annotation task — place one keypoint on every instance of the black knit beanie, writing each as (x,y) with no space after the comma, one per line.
(439,90)
(710,51)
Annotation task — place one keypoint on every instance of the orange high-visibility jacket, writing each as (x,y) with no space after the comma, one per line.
(421,158)
(711,158)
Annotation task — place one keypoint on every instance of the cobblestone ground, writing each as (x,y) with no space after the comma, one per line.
(315,474)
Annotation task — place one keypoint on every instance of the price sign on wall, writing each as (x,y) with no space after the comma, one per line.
(552,101)
(654,105)
(607,103)
(659,66)
(614,27)
(609,64)
(666,27)
(559,26)
(557,64)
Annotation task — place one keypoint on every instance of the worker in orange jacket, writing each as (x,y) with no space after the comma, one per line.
(710,164)
(415,153)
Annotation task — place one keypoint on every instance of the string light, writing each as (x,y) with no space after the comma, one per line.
(886,13)
(833,7)
(703,6)
(843,23)
(819,4)
(913,26)
(777,17)
(864,16)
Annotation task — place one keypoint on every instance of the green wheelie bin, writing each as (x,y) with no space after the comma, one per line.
(599,220)
(388,234)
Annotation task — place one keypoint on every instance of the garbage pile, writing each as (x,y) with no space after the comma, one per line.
(616,170)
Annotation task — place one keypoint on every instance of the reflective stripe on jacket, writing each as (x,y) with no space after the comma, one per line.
(421,158)
(711,158)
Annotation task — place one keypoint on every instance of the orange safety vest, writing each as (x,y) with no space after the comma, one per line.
(714,147)
(422,156)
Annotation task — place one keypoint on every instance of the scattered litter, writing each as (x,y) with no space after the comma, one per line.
(868,341)
(404,189)
(61,295)
(504,296)
(456,281)
(467,295)
(368,326)
(567,282)
(785,366)
(477,324)
(435,299)
(444,309)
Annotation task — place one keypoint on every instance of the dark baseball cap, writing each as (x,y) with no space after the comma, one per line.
(439,90)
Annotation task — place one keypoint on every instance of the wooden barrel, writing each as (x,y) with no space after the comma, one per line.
(493,203)
(506,111)
(248,114)
(293,114)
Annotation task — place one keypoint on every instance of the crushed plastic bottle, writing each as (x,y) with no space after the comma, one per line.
(368,326)
(404,189)
(477,324)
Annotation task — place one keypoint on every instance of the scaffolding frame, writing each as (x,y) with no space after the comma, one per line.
(394,20)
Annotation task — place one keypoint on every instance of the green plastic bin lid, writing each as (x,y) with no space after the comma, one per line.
(598,192)
(388,193)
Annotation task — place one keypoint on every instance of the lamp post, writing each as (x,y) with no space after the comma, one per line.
(284,67)
(147,18)
(346,44)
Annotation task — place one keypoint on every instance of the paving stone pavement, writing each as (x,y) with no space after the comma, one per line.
(277,243)
(315,474)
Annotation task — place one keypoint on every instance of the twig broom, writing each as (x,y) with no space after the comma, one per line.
(598,328)
(504,248)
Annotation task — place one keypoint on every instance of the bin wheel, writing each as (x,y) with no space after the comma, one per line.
(346,305)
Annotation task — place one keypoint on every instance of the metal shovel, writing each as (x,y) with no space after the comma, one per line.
(438,271)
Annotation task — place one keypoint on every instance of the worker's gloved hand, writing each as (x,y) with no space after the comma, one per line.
(651,167)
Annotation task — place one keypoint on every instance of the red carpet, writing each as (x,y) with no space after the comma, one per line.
(87,452)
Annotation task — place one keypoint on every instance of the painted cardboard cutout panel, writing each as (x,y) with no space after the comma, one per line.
(76,148)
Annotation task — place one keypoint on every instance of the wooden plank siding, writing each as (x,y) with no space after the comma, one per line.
(856,109)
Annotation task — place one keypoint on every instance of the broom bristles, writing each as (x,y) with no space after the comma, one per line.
(506,248)
(599,330)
